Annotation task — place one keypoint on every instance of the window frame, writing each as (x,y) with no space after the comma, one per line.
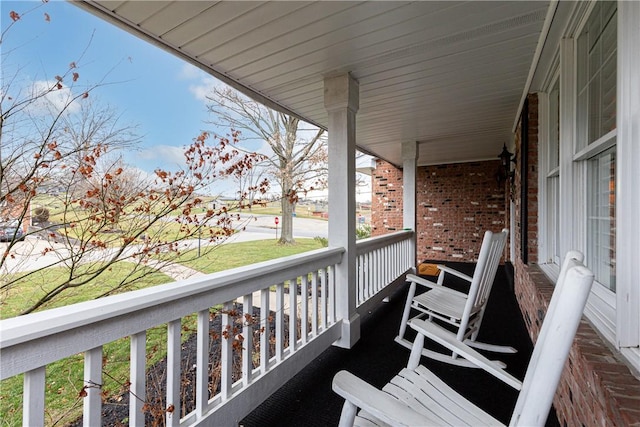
(549,210)
(615,315)
(602,303)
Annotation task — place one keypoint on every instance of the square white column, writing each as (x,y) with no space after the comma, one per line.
(341,99)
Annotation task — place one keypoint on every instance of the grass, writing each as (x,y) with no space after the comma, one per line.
(234,255)
(31,288)
(64,378)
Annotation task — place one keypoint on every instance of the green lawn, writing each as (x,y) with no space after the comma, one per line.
(234,255)
(64,378)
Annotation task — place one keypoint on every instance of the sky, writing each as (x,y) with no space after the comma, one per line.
(150,88)
(163,96)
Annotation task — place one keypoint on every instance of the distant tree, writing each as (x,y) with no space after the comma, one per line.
(55,141)
(298,158)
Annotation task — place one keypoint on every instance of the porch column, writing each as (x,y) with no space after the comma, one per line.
(409,179)
(341,99)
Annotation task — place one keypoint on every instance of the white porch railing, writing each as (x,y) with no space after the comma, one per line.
(287,344)
(291,330)
(382,263)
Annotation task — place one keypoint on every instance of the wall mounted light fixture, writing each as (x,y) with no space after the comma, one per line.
(505,171)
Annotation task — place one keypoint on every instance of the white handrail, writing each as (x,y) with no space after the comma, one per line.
(29,343)
(382,261)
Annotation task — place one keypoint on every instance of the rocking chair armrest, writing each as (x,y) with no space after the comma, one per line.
(360,394)
(450,270)
(448,339)
(429,284)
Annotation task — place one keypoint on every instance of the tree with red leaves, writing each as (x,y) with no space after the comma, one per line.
(57,141)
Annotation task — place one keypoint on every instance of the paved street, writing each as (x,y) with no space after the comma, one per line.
(35,253)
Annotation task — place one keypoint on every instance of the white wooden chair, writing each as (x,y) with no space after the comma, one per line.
(464,311)
(416,397)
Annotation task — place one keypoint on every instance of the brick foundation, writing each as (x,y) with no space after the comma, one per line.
(596,389)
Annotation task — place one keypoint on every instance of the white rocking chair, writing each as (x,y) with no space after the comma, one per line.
(462,310)
(416,397)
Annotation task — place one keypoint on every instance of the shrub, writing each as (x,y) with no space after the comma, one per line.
(363,231)
(322,240)
(40,215)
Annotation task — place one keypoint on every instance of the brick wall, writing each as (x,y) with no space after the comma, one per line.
(386,203)
(596,389)
(456,204)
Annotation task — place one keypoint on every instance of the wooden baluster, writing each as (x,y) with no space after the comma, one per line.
(33,395)
(266,330)
(202,363)
(304,308)
(138,376)
(247,343)
(92,404)
(173,372)
(279,322)
(314,304)
(293,315)
(226,348)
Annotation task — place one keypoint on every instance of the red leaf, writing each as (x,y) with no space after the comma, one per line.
(75,77)
(14,15)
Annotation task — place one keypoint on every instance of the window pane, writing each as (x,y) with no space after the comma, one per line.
(601,233)
(596,77)
(553,230)
(554,127)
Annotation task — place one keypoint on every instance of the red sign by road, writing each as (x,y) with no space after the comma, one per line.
(277,220)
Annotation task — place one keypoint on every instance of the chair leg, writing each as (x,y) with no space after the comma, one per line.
(348,414)
(407,310)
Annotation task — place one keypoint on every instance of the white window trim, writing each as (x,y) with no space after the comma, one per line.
(603,143)
(545,251)
(601,305)
(628,183)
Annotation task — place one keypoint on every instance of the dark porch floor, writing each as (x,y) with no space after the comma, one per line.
(307,400)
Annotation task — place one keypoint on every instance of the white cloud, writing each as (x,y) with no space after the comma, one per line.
(47,101)
(203,82)
(163,155)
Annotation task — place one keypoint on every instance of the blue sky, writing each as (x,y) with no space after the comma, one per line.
(150,88)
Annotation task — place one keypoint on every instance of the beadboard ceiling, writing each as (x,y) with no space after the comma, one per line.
(450,75)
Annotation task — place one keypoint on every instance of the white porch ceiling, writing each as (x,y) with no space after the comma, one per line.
(450,75)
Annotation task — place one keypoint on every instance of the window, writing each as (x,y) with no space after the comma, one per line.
(596,135)
(553,178)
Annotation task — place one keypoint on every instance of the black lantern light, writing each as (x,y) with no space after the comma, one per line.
(505,159)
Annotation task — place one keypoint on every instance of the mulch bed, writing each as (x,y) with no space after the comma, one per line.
(115,410)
